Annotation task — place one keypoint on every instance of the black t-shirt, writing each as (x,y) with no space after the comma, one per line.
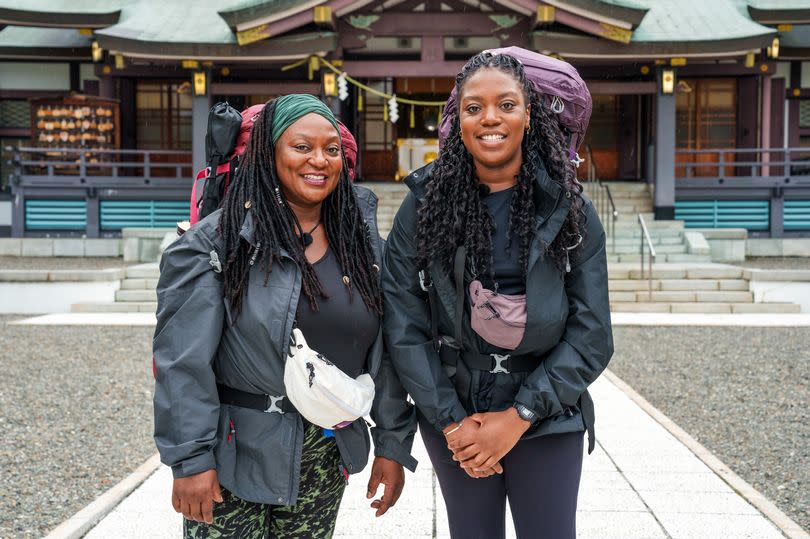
(506,270)
(343,329)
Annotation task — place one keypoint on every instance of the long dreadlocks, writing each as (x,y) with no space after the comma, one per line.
(275,224)
(453,213)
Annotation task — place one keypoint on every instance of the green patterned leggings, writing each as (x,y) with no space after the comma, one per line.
(313,517)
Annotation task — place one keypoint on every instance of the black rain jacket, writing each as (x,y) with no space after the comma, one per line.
(198,343)
(568,327)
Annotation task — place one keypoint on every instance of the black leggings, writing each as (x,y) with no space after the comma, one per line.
(540,478)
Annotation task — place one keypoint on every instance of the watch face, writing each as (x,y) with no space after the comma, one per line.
(525,413)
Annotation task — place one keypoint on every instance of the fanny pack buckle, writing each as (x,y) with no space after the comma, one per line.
(499,362)
(274,405)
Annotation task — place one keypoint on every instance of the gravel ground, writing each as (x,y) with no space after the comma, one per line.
(742,393)
(772,262)
(76,413)
(59,263)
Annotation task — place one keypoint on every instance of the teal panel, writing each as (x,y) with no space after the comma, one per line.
(797,215)
(749,214)
(55,215)
(118,214)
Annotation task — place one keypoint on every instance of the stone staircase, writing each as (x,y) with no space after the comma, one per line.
(684,279)
(670,239)
(136,294)
(686,288)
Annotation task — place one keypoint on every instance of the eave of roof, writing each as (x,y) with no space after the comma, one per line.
(281,48)
(61,13)
(18,42)
(627,11)
(577,46)
(251,13)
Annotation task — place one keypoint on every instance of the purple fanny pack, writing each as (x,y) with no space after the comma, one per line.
(499,319)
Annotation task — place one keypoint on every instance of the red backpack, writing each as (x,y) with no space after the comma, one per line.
(206,195)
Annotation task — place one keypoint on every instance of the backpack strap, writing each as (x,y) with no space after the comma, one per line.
(458,275)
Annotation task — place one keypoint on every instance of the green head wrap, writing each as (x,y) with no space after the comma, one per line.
(291,107)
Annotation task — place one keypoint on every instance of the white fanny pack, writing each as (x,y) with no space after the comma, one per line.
(321,392)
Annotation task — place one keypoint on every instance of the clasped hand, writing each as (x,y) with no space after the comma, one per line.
(484,439)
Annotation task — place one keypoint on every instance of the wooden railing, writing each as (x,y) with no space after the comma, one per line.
(743,163)
(66,165)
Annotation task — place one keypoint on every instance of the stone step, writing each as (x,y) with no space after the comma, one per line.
(709,308)
(660,258)
(118,307)
(635,242)
(678,284)
(143,271)
(631,248)
(676,271)
(139,284)
(135,295)
(682,296)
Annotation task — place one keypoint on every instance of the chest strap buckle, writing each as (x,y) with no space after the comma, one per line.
(499,363)
(274,405)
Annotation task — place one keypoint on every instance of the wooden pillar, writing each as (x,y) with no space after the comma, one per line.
(75,77)
(129,111)
(765,126)
(747,89)
(200,105)
(106,86)
(664,202)
(628,143)
(777,126)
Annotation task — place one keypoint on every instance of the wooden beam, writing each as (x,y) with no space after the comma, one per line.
(432,49)
(377,69)
(265,88)
(621,88)
(445,24)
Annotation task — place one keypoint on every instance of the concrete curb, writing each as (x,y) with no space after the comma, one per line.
(785,524)
(81,523)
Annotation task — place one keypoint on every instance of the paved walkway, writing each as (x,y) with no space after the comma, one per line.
(641,482)
(618,319)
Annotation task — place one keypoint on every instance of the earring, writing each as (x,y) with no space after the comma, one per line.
(528,128)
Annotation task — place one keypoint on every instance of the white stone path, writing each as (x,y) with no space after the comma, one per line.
(640,483)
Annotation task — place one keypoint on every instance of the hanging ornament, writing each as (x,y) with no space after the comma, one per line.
(412,118)
(343,87)
(393,112)
(360,101)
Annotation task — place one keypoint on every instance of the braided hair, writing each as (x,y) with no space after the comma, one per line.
(453,214)
(257,187)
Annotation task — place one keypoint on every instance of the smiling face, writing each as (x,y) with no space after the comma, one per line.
(308,160)
(493,116)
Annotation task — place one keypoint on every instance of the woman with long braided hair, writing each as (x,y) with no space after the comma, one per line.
(295,247)
(496,308)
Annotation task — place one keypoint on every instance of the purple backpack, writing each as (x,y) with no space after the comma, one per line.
(561,87)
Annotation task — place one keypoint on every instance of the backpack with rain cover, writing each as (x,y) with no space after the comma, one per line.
(226,171)
(560,87)
(224,123)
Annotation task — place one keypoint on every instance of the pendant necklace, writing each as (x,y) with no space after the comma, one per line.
(306,237)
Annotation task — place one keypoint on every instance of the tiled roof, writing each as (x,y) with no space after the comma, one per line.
(695,20)
(173,22)
(22,36)
(67,6)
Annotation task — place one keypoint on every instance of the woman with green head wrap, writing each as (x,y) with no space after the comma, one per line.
(295,245)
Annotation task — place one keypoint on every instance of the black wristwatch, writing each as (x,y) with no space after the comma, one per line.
(525,413)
